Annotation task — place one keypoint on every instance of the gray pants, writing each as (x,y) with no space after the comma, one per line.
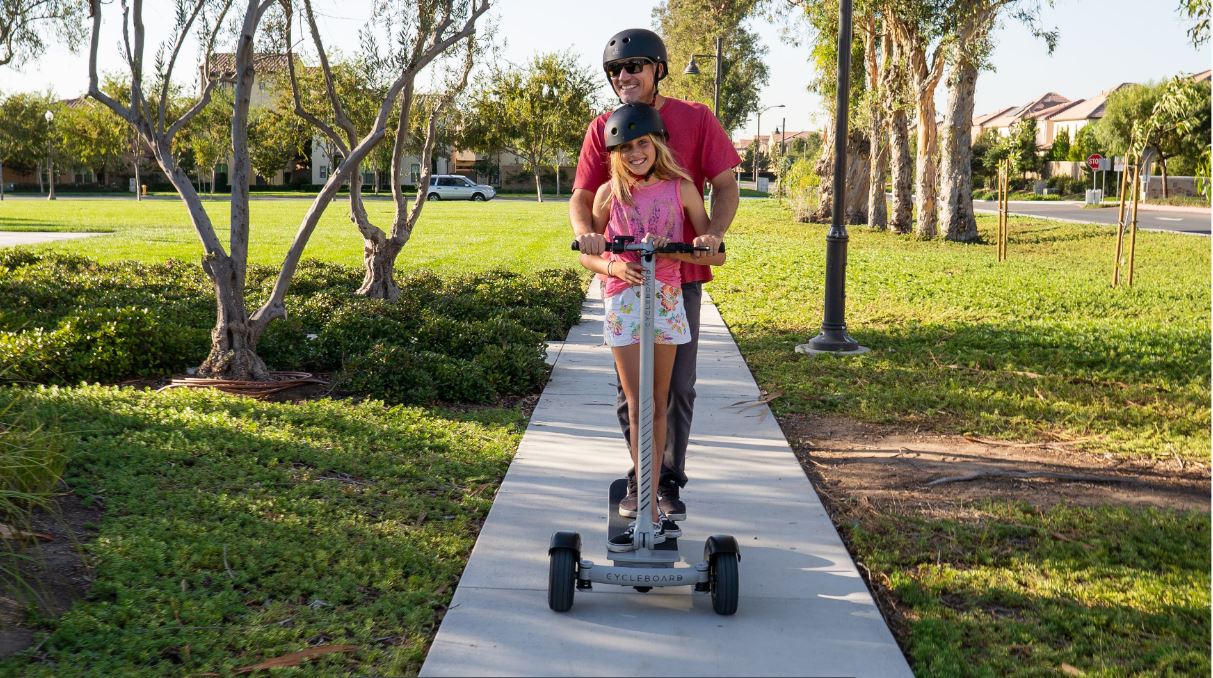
(682,395)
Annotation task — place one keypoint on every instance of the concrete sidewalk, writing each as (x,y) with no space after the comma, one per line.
(804,610)
(12,238)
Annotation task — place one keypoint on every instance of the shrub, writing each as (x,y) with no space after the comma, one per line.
(802,187)
(66,319)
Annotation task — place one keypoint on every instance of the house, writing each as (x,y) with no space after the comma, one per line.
(270,74)
(1052,112)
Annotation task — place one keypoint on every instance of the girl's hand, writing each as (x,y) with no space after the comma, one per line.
(627,271)
(657,241)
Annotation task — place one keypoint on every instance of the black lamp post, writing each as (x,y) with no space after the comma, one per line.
(50,158)
(834,337)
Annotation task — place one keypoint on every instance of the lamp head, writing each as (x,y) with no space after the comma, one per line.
(692,68)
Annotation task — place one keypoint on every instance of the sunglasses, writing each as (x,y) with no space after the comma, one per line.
(632,66)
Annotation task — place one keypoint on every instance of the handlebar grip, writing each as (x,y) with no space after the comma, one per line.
(576,246)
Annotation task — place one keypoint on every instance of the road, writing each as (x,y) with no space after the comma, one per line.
(1194,221)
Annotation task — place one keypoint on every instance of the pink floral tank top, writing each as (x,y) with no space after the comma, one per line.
(655,209)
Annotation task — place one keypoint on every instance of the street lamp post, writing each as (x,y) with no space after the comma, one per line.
(833,337)
(693,69)
(758,141)
(50,160)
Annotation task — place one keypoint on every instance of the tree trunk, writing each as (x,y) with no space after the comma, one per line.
(901,219)
(956,156)
(926,171)
(213,175)
(138,184)
(41,184)
(855,202)
(878,216)
(1,180)
(379,262)
(233,342)
(538,189)
(1162,163)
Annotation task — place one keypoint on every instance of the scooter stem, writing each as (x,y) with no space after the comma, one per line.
(643,534)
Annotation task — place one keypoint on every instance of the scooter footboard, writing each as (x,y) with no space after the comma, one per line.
(643,576)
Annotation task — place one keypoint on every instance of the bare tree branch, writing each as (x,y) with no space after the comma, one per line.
(182,31)
(274,307)
(302,112)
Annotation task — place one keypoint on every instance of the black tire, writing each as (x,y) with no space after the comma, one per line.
(433,196)
(643,589)
(562,579)
(725,584)
(477,197)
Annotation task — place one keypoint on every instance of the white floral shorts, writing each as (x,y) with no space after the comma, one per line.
(622,324)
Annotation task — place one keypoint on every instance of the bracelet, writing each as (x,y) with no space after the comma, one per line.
(609,268)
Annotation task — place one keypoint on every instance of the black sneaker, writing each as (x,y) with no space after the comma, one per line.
(668,501)
(622,542)
(670,528)
(627,505)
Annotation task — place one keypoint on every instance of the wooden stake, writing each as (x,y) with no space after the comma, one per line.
(1133,228)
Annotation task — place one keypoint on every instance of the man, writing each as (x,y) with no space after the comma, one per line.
(635,62)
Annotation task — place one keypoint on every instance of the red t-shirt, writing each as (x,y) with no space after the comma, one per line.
(700,146)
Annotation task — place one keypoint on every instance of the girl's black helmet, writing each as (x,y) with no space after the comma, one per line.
(632,121)
(637,43)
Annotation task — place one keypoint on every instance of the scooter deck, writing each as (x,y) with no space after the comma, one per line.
(665,552)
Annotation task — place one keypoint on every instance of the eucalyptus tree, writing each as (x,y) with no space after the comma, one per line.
(969,26)
(691,27)
(436,28)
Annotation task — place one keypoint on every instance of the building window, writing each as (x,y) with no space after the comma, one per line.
(324,172)
(414,174)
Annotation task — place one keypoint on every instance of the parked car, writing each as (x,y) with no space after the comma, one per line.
(456,187)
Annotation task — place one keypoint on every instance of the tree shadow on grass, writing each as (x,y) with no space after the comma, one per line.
(1012,590)
(243,530)
(1147,383)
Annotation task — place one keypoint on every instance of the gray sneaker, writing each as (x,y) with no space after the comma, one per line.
(668,502)
(627,505)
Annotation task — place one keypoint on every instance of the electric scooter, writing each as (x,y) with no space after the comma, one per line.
(649,565)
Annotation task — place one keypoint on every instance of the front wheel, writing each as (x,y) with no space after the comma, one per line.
(433,196)
(725,583)
(477,197)
(562,579)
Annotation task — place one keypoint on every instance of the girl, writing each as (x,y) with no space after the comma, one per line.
(648,197)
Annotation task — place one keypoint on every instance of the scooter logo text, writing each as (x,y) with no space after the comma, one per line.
(645,578)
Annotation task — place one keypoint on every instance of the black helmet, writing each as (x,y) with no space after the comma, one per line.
(632,121)
(637,42)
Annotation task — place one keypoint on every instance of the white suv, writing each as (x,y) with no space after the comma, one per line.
(456,187)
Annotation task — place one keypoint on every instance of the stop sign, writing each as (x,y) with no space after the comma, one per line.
(1094,161)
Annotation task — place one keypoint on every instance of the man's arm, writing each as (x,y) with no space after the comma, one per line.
(725,199)
(581,215)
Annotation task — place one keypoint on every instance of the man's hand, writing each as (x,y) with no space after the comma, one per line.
(591,243)
(708,240)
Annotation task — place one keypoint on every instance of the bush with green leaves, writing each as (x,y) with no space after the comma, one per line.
(468,338)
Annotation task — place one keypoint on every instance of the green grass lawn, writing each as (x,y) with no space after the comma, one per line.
(450,236)
(236,531)
(1039,347)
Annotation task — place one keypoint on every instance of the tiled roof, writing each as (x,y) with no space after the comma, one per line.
(1047,113)
(983,119)
(1202,76)
(225,62)
(1088,109)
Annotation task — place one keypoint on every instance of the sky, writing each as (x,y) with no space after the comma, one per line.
(1095,50)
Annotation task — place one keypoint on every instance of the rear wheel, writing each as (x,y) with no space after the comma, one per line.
(724,580)
(433,196)
(477,197)
(562,579)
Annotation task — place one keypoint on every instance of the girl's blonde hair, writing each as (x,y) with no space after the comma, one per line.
(664,167)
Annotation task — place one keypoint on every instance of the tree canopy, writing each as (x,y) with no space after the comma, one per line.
(26,25)
(691,27)
(538,112)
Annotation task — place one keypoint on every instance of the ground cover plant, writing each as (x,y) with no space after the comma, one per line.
(236,531)
(1001,576)
(464,338)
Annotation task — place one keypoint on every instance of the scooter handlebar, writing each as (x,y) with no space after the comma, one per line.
(670,248)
